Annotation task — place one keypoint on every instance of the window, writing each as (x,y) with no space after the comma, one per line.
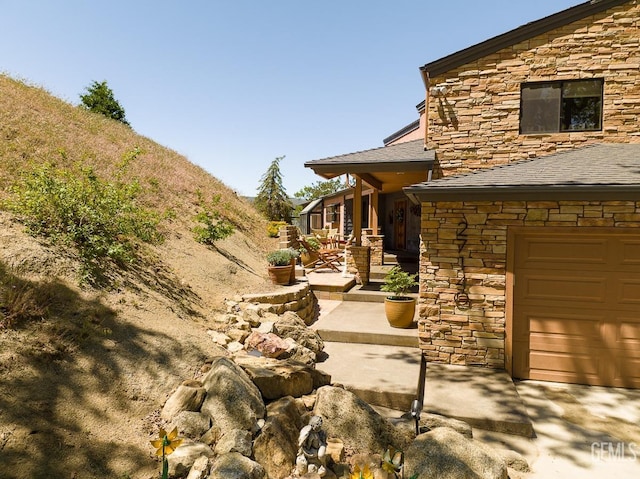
(333,213)
(551,107)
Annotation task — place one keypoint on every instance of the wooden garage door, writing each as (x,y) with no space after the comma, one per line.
(576,308)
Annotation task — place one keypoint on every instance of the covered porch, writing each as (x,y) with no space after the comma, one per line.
(375,211)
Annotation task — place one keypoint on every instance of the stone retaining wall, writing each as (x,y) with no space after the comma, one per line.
(297,298)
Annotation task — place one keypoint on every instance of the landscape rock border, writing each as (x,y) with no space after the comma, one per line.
(242,416)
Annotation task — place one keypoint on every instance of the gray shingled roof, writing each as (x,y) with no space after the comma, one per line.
(597,171)
(385,158)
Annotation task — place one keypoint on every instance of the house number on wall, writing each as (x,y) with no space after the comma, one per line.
(462,298)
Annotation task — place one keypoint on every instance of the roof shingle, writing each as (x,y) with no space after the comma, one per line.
(611,168)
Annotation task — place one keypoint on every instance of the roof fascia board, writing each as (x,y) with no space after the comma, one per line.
(371,167)
(517,35)
(402,132)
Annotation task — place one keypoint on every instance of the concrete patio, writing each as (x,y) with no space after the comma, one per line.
(561,429)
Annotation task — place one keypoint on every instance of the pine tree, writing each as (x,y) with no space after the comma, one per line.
(99,98)
(272,199)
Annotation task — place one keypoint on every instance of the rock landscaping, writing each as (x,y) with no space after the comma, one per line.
(242,415)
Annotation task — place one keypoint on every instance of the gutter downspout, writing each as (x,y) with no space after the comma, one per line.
(427,81)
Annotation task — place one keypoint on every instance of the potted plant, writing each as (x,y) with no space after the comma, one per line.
(280,266)
(294,254)
(309,250)
(398,307)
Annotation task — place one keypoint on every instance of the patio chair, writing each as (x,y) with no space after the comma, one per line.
(328,258)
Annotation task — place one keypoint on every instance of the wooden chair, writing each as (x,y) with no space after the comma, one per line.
(328,258)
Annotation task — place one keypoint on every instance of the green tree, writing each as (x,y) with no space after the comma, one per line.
(319,189)
(99,98)
(272,200)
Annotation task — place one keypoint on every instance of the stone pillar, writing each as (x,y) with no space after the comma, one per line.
(288,237)
(358,258)
(376,243)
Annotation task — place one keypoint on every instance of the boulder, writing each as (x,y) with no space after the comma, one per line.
(429,422)
(289,325)
(235,466)
(266,327)
(514,460)
(320,378)
(184,457)
(232,401)
(235,347)
(253,317)
(299,353)
(447,454)
(187,397)
(277,445)
(268,344)
(218,337)
(200,468)
(191,424)
(236,440)
(356,423)
(239,335)
(277,379)
(212,436)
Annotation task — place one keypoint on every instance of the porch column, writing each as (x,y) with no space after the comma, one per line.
(373,212)
(357,212)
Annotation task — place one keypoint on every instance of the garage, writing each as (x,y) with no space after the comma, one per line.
(576,306)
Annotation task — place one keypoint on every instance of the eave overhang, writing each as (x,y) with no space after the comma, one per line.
(526,193)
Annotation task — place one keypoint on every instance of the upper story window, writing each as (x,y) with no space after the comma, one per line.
(551,107)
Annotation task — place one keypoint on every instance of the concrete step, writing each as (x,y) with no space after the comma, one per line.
(388,376)
(370,293)
(381,365)
(363,323)
(381,375)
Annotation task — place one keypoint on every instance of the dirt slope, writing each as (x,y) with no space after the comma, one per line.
(82,378)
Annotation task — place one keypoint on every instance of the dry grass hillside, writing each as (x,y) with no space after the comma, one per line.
(84,369)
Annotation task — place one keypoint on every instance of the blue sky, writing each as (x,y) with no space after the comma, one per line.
(233,84)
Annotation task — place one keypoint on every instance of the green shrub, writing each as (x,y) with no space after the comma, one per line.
(280,257)
(213,227)
(101,219)
(398,282)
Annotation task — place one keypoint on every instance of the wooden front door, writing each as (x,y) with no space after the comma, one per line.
(400,224)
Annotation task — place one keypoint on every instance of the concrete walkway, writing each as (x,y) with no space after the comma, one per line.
(563,430)
(382,364)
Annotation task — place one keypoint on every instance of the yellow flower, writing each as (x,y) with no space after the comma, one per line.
(167,443)
(392,461)
(364,473)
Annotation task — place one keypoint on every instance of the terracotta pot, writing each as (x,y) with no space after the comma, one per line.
(280,274)
(400,311)
(309,258)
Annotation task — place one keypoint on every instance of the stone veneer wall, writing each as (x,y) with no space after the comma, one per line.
(376,243)
(453,330)
(476,123)
(358,263)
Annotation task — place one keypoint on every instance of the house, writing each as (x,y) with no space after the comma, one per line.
(530,214)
